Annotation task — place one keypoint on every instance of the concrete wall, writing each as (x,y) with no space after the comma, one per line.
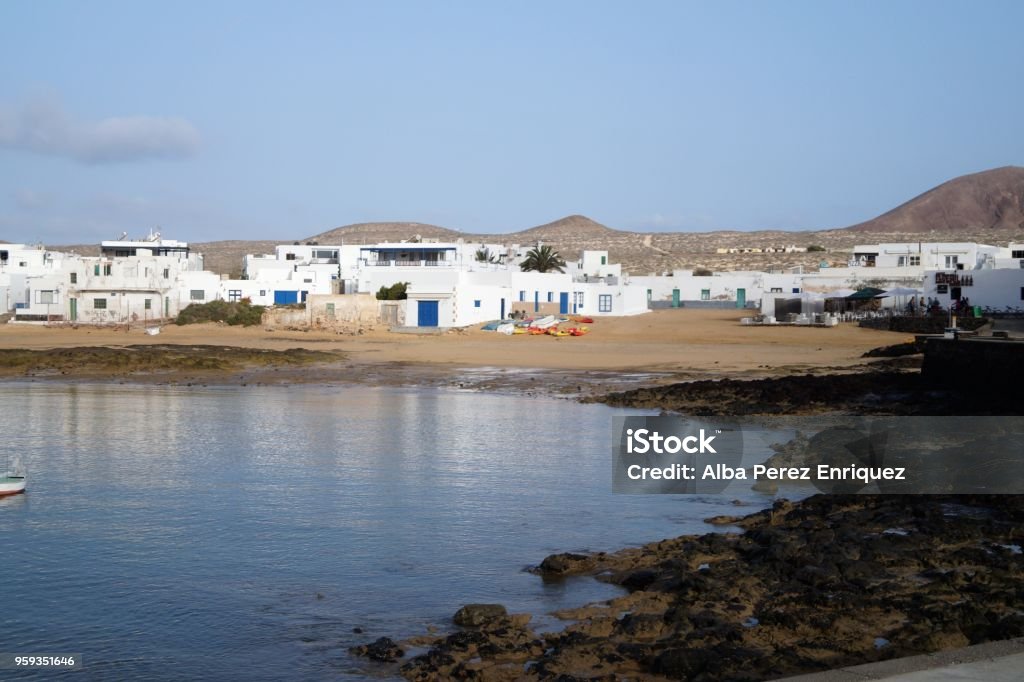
(988,365)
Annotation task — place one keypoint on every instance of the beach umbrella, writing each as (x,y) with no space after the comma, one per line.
(903,291)
(866,294)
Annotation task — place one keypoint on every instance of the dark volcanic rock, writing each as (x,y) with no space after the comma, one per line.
(384,650)
(473,615)
(566,564)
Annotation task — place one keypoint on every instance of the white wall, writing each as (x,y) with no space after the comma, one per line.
(996,288)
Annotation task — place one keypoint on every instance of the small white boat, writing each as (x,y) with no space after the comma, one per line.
(12,481)
(11,484)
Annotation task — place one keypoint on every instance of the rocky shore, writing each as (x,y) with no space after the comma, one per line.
(829,582)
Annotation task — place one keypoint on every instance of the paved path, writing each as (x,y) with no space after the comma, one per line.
(991,662)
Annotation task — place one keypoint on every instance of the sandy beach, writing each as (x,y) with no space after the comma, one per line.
(670,344)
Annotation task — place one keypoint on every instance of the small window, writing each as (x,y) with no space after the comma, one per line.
(45,297)
(197,295)
(4,255)
(148,304)
(1017,253)
(307,281)
(263,292)
(604,303)
(1022,293)
(99,304)
(234,294)
(775,290)
(476,303)
(522,296)
(951,262)
(604,260)
(705,294)
(106,270)
(289,256)
(551,297)
(167,273)
(915,260)
(74,278)
(96,270)
(796,290)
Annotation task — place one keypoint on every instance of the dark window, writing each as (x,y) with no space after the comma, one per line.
(99,303)
(289,256)
(197,294)
(149,304)
(234,294)
(476,304)
(74,278)
(1017,253)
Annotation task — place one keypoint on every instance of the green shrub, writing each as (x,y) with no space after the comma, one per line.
(395,292)
(233,313)
(815,248)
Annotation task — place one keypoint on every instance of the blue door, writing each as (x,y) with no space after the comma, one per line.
(563,303)
(285,297)
(426,313)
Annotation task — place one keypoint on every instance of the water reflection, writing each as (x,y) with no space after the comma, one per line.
(175,532)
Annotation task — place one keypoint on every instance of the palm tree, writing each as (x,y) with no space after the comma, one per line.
(484,256)
(542,258)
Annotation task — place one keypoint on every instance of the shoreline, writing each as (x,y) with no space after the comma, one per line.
(713,606)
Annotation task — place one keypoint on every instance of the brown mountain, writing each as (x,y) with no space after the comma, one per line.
(990,200)
(369,233)
(574,227)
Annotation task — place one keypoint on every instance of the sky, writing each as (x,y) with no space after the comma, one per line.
(273,120)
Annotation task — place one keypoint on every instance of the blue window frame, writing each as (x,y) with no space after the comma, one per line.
(476,303)
(522,296)
(551,297)
(604,303)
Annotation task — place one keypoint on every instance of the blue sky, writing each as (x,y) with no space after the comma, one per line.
(272,120)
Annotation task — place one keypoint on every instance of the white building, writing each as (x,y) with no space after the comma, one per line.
(130,281)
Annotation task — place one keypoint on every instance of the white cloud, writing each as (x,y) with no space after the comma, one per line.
(43,127)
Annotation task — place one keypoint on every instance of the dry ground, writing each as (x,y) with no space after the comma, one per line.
(674,342)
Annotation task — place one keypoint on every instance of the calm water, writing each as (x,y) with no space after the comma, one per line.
(242,533)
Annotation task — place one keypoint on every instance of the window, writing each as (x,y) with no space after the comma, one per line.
(148,304)
(551,296)
(604,303)
(74,278)
(325,253)
(106,269)
(99,304)
(197,295)
(4,255)
(476,303)
(705,294)
(167,273)
(289,256)
(796,290)
(1022,293)
(263,292)
(1017,253)
(330,311)
(604,260)
(951,262)
(775,290)
(942,288)
(234,294)
(45,297)
(522,296)
(581,299)
(96,270)
(915,260)
(901,261)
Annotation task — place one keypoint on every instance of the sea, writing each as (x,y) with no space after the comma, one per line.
(257,533)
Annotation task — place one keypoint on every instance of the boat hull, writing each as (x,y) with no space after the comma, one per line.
(12,485)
